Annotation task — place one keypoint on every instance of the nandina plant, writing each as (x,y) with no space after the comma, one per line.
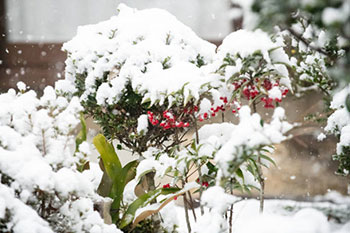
(148,97)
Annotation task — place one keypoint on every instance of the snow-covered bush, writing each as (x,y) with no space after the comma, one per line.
(147,80)
(339,124)
(317,39)
(129,70)
(42,188)
(255,66)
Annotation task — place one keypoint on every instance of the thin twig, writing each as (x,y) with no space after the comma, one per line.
(260,174)
(262,186)
(186,210)
(307,43)
(199,168)
(192,207)
(231,208)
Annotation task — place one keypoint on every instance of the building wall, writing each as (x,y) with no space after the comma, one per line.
(57,20)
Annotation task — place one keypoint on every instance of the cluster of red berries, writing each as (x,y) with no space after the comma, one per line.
(250,91)
(168,121)
(191,110)
(204,183)
(268,101)
(225,105)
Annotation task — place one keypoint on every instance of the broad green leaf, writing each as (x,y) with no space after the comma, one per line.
(105,186)
(140,202)
(123,176)
(176,191)
(114,171)
(146,199)
(129,171)
(109,157)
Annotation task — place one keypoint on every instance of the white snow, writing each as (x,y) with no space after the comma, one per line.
(137,47)
(21,86)
(246,43)
(37,152)
(223,137)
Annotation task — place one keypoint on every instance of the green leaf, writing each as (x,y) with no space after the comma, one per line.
(118,176)
(109,157)
(269,159)
(240,173)
(146,199)
(140,202)
(123,176)
(105,186)
(211,167)
(347,102)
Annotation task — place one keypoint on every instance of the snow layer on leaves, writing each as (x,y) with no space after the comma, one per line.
(24,218)
(246,43)
(37,150)
(232,141)
(135,45)
(160,165)
(339,121)
(159,83)
(242,45)
(142,123)
(339,124)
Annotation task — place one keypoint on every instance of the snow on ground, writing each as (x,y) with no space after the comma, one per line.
(285,216)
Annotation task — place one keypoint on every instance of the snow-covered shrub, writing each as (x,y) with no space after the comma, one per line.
(316,35)
(313,44)
(129,70)
(254,66)
(339,124)
(42,188)
(234,155)
(146,79)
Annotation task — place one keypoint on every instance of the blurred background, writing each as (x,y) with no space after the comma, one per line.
(32,33)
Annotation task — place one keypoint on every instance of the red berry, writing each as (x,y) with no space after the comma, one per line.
(267,84)
(246,92)
(268,102)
